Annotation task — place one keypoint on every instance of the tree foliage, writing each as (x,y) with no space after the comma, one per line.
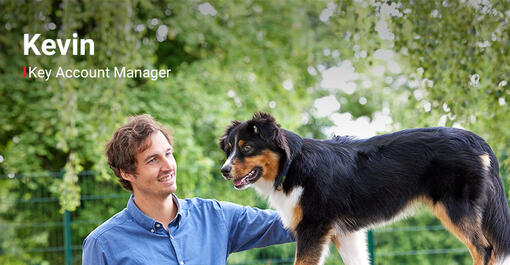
(457,52)
(228,60)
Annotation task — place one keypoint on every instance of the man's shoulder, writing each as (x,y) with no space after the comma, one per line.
(211,203)
(109,225)
(197,203)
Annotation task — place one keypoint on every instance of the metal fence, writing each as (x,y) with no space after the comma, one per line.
(36,231)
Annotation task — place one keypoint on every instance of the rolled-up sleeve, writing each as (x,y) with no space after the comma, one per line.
(253,228)
(93,253)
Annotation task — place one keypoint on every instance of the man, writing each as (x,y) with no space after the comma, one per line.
(158,228)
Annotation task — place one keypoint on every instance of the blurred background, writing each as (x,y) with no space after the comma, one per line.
(322,68)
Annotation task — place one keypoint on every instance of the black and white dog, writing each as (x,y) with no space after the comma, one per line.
(335,189)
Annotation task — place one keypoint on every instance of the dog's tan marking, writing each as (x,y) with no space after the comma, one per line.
(240,143)
(466,230)
(336,241)
(492,261)
(272,161)
(235,163)
(229,146)
(308,260)
(297,215)
(268,161)
(486,161)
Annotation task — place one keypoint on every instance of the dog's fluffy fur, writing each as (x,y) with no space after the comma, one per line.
(335,189)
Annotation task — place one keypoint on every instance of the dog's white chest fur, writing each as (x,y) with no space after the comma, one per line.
(283,203)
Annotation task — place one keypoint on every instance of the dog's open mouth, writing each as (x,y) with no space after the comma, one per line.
(249,178)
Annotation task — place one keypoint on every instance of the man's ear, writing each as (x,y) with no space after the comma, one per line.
(126,176)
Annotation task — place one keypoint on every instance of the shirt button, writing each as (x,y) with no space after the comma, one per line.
(152,230)
(158,225)
(182,262)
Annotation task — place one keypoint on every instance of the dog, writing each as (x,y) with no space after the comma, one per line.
(333,190)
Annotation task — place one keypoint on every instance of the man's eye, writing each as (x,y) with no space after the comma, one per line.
(153,160)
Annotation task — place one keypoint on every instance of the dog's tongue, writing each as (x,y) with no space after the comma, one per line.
(239,182)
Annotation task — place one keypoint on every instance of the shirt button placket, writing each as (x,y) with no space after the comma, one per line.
(177,250)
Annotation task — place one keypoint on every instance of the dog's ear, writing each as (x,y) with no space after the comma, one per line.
(291,143)
(285,159)
(264,125)
(223,138)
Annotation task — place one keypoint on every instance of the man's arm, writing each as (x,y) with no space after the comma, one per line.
(93,253)
(253,228)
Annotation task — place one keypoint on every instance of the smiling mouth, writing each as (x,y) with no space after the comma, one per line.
(167,178)
(249,178)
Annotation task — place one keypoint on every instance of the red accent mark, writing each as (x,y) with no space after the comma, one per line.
(25,71)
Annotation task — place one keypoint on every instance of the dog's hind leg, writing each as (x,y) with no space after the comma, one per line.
(352,247)
(468,229)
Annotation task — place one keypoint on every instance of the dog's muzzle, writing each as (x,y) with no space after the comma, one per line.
(225,171)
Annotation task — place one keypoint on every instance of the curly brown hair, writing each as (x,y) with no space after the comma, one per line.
(128,141)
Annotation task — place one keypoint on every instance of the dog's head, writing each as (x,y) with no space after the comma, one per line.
(255,149)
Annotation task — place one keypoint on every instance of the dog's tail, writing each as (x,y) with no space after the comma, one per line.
(496,216)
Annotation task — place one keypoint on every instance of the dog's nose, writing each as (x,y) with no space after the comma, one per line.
(225,170)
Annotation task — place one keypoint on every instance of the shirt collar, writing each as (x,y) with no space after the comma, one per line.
(145,221)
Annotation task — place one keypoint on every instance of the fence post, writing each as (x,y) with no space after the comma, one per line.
(67,237)
(371,247)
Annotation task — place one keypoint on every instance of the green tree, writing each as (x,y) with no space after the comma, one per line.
(228,60)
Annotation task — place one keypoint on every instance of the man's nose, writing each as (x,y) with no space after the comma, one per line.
(168,164)
(225,170)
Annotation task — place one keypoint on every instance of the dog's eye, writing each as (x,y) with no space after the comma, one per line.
(247,148)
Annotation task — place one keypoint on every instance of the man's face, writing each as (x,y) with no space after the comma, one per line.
(156,169)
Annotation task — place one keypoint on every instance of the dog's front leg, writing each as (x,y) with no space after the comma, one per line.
(312,247)
(353,247)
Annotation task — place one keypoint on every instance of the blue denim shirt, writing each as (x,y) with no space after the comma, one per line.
(203,232)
